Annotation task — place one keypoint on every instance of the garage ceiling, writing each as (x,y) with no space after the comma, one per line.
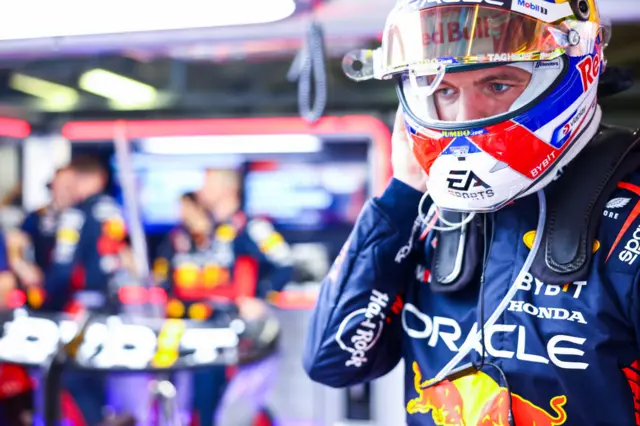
(240,70)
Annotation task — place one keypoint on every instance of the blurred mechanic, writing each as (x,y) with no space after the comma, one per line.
(30,246)
(16,391)
(217,252)
(252,238)
(89,240)
(40,225)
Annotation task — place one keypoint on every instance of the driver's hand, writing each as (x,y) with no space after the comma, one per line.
(405,166)
(26,270)
(251,308)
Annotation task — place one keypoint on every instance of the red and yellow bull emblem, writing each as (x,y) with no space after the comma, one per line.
(213,275)
(478,400)
(114,229)
(186,275)
(192,282)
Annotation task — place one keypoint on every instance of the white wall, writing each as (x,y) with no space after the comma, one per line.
(41,157)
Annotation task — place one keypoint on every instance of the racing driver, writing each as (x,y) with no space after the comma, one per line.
(501,262)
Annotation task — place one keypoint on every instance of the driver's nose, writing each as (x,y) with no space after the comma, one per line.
(472,106)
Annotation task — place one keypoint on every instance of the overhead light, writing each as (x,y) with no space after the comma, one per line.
(122,91)
(233,144)
(79,17)
(55,97)
(194,162)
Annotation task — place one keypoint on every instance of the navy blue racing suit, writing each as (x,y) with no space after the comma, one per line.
(561,347)
(4,259)
(40,225)
(243,257)
(89,238)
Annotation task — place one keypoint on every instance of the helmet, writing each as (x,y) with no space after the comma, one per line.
(480,164)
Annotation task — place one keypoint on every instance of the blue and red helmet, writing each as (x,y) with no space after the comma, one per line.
(480,165)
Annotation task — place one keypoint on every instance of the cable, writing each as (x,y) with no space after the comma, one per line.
(483,362)
(452,371)
(311,60)
(472,368)
(434,215)
(485,256)
(503,376)
(467,347)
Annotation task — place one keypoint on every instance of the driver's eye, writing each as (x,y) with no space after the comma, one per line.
(500,87)
(445,91)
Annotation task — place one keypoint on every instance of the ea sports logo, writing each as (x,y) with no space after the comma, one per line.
(589,69)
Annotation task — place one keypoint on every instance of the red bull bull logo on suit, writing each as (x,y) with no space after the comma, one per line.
(479,401)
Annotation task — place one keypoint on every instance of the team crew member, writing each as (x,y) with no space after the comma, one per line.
(40,225)
(217,252)
(89,240)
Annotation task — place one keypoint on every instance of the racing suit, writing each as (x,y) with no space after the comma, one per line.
(557,345)
(244,257)
(89,239)
(40,225)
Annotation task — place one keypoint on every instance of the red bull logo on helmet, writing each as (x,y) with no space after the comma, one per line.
(477,399)
(589,69)
(453,32)
(423,4)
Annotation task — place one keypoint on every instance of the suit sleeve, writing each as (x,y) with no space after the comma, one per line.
(30,225)
(4,258)
(274,257)
(355,333)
